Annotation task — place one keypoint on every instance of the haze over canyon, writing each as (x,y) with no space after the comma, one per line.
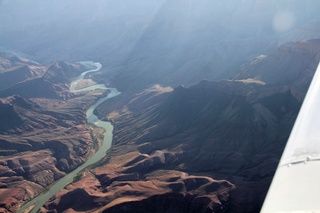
(210,91)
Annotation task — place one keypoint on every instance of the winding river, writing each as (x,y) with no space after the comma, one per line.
(35,204)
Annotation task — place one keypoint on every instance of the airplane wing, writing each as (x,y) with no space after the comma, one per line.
(296,184)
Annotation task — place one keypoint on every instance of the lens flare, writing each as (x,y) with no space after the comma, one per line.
(283,21)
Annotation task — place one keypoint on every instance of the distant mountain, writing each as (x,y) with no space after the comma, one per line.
(189,42)
(157,41)
(231,130)
(293,64)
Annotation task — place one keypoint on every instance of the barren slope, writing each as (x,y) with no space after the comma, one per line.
(233,131)
(41,139)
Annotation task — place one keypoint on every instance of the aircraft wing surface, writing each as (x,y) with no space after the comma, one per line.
(296,184)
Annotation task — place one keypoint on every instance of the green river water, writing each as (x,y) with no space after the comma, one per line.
(40,200)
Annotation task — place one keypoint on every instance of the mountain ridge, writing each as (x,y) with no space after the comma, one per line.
(43,135)
(231,130)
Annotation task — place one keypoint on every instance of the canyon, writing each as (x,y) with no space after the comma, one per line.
(43,130)
(209,95)
(211,147)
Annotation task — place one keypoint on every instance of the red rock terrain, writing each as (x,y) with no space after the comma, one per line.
(213,147)
(43,131)
(40,81)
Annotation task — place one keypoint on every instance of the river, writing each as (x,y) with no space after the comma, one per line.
(36,203)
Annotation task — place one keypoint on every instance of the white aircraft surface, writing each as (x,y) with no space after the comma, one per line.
(296,184)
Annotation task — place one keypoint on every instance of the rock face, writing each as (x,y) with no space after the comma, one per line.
(41,139)
(39,81)
(171,147)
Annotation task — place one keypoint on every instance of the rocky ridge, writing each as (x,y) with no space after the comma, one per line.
(40,81)
(233,131)
(43,131)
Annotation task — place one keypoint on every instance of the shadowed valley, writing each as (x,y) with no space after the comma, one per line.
(170,147)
